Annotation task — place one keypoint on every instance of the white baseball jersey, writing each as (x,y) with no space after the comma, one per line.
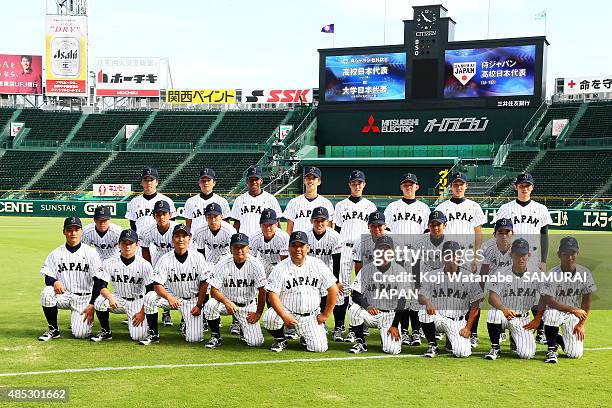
(404,218)
(247,209)
(377,290)
(519,294)
(215,245)
(300,287)
(195,206)
(299,210)
(451,297)
(430,254)
(352,218)
(74,270)
(567,292)
(494,257)
(325,246)
(238,284)
(527,220)
(461,219)
(128,280)
(140,210)
(158,244)
(182,278)
(270,252)
(107,245)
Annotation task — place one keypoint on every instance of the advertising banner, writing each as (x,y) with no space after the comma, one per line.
(558,125)
(587,85)
(303,95)
(371,77)
(66,55)
(134,77)
(16,127)
(20,74)
(201,97)
(283,131)
(130,130)
(111,190)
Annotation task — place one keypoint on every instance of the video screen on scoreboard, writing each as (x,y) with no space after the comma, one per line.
(368,77)
(486,72)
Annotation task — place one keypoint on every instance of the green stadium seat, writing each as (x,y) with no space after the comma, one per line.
(17,167)
(48,125)
(247,126)
(103,127)
(178,127)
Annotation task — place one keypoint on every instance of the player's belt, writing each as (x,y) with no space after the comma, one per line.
(385,310)
(133,298)
(82,294)
(239,304)
(304,314)
(349,244)
(456,318)
(188,298)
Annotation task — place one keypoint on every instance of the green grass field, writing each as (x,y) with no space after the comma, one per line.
(258,377)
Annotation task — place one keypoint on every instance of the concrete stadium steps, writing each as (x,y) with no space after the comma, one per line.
(595,123)
(247,126)
(48,125)
(103,127)
(228,166)
(17,167)
(67,173)
(179,127)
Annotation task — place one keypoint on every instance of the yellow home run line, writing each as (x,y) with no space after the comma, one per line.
(240,363)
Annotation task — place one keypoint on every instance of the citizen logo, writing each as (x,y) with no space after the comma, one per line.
(425,33)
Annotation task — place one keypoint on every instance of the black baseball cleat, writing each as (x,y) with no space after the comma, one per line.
(358,347)
(366,331)
(337,335)
(166,318)
(102,335)
(551,357)
(52,333)
(431,352)
(235,328)
(214,342)
(204,326)
(350,337)
(152,337)
(541,337)
(406,338)
(416,339)
(474,340)
(302,342)
(291,334)
(493,354)
(278,346)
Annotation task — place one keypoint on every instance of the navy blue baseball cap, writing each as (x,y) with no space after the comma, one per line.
(384,241)
(208,172)
(520,246)
(357,175)
(437,216)
(568,244)
(213,209)
(459,176)
(254,172)
(376,218)
(102,212)
(320,212)
(503,223)
(268,216)
(128,235)
(71,221)
(523,178)
(162,206)
(181,228)
(409,177)
(298,236)
(150,172)
(315,171)
(239,239)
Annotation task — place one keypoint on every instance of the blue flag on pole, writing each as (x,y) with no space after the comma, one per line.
(328,29)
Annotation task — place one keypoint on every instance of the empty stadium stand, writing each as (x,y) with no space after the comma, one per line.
(518,160)
(247,126)
(595,123)
(180,127)
(103,127)
(5,115)
(17,167)
(48,125)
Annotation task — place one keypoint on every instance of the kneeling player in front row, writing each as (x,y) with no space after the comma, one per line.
(128,274)
(185,273)
(568,303)
(448,299)
(294,290)
(234,283)
(374,304)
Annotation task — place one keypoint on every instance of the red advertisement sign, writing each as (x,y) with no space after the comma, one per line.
(20,74)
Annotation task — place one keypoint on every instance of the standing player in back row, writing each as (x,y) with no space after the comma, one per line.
(140,208)
(464,225)
(195,206)
(351,221)
(248,206)
(102,234)
(530,220)
(299,209)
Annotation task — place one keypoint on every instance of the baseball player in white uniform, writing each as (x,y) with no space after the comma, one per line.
(299,209)
(295,287)
(68,271)
(248,206)
(511,296)
(102,234)
(194,206)
(213,239)
(129,275)
(374,303)
(140,208)
(447,301)
(156,241)
(568,303)
(237,288)
(185,273)
(464,224)
(530,221)
(270,244)
(325,244)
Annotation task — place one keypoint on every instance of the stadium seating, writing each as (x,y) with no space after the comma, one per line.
(518,160)
(595,123)
(247,126)
(48,125)
(559,111)
(17,167)
(5,115)
(67,173)
(103,127)
(228,166)
(179,127)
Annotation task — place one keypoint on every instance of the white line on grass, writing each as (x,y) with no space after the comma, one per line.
(235,363)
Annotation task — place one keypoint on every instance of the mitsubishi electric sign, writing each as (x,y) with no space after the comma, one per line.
(437,125)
